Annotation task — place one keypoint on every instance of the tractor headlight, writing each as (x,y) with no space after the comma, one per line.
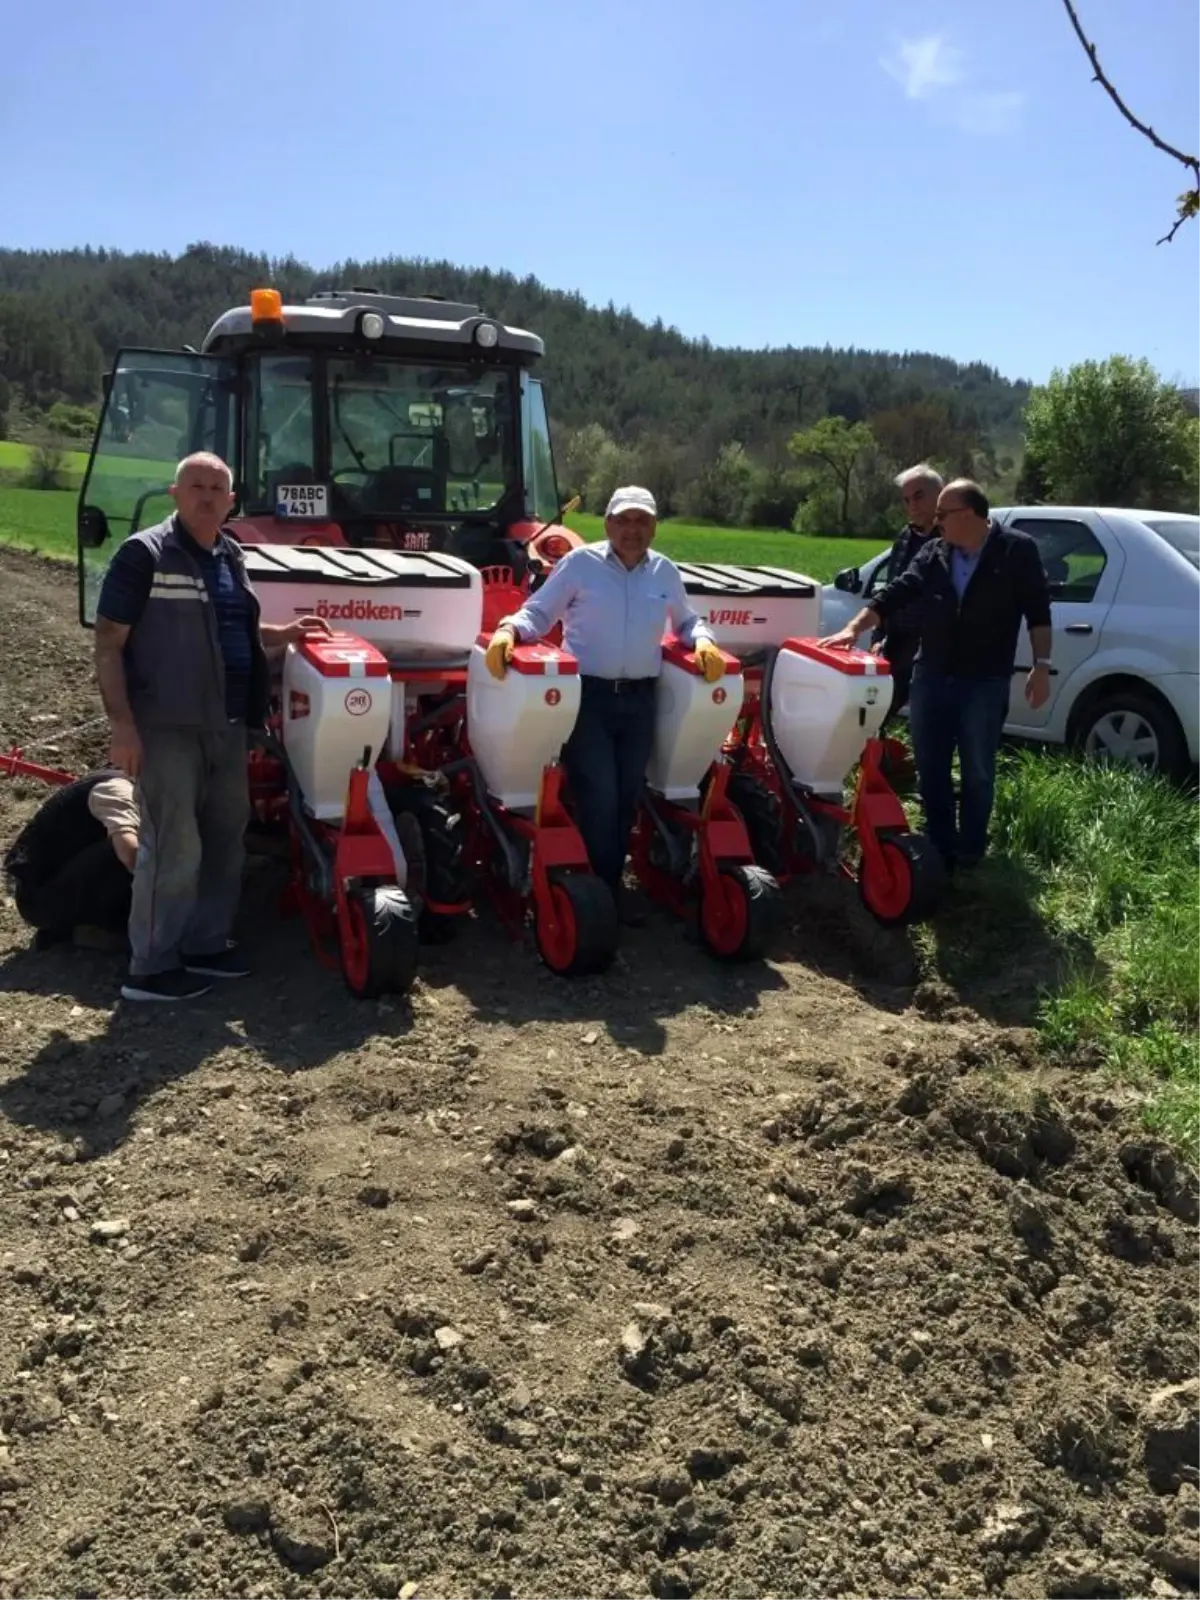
(487,335)
(372,325)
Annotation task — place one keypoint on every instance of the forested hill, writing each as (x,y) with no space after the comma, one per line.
(64,314)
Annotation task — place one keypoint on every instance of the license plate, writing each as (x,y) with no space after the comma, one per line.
(307,501)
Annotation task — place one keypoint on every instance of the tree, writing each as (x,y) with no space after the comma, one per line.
(925,431)
(1188,203)
(718,493)
(836,455)
(1113,433)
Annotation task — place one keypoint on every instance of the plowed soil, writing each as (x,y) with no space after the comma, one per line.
(686,1281)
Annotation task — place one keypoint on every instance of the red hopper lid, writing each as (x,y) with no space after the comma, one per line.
(679,655)
(343,655)
(855,663)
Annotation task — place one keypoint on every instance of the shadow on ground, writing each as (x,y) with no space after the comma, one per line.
(293,1013)
(991,946)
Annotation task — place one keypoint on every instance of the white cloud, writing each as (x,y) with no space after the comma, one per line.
(926,67)
(922,65)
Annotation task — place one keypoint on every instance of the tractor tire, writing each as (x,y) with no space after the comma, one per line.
(380,955)
(584,937)
(912,886)
(739,924)
(762,813)
(431,834)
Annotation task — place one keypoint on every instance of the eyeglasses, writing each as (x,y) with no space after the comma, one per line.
(950,511)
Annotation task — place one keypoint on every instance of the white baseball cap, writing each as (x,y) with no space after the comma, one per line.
(631,499)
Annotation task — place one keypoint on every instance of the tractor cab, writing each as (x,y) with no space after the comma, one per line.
(353,419)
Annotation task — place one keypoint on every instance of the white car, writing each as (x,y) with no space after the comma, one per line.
(1125,587)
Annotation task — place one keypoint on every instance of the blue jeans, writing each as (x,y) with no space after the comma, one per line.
(967,715)
(606,759)
(194,800)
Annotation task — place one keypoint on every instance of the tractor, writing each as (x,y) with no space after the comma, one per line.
(393,474)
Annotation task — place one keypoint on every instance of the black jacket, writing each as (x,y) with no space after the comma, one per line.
(903,628)
(977,636)
(60,828)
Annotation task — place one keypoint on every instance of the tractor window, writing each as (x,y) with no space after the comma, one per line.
(279,428)
(405,440)
(541,491)
(160,406)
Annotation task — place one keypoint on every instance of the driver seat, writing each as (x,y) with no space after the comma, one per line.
(411,489)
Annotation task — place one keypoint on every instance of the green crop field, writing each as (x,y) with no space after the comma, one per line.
(44,519)
(755,547)
(39,519)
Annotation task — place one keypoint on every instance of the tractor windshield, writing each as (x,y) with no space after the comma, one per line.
(407,439)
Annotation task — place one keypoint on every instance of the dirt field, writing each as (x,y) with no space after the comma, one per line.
(681,1282)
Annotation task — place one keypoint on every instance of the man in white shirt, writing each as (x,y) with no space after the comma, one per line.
(616,599)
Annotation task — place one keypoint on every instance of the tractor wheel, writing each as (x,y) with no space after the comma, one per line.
(581,937)
(763,815)
(379,948)
(738,921)
(431,834)
(909,886)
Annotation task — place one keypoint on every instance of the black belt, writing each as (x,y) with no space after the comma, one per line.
(618,685)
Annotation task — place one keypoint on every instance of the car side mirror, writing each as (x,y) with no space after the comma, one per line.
(92,527)
(849,581)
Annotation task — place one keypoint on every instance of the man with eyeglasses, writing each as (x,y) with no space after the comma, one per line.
(973,585)
(899,636)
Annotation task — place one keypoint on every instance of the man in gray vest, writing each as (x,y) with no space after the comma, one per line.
(181,662)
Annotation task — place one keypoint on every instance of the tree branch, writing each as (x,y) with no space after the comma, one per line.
(1189,202)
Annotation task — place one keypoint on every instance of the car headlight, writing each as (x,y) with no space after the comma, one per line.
(487,335)
(372,325)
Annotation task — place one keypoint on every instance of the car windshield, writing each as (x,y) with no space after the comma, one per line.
(1182,534)
(407,439)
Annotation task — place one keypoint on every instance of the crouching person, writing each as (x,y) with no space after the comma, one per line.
(71,866)
(181,661)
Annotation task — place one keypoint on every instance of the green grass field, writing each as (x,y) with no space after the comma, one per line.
(44,519)
(39,519)
(756,547)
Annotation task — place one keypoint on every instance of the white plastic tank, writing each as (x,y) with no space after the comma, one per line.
(692,720)
(518,724)
(337,701)
(825,705)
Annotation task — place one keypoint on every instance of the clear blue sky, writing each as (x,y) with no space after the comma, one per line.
(922,174)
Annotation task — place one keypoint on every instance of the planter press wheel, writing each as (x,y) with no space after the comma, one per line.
(580,934)
(430,833)
(378,942)
(908,886)
(738,920)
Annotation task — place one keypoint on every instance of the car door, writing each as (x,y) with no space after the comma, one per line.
(1083,562)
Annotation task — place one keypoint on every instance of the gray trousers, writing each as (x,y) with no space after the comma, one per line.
(194,802)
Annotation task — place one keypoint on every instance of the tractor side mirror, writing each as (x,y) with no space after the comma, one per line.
(849,581)
(92,527)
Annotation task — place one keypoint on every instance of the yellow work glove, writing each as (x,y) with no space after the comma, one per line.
(500,652)
(712,662)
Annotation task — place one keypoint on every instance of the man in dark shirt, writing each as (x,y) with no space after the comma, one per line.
(974,584)
(182,670)
(897,638)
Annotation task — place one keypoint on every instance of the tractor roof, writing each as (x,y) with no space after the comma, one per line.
(334,316)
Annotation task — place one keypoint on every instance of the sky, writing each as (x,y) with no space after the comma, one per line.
(934,175)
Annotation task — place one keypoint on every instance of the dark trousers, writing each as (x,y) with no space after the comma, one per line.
(606,759)
(91,887)
(967,715)
(899,654)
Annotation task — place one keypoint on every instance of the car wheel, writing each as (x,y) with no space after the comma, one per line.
(1130,729)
